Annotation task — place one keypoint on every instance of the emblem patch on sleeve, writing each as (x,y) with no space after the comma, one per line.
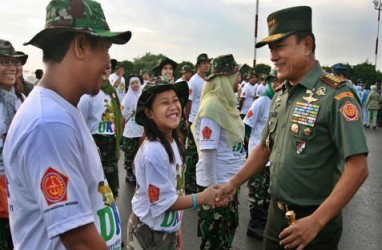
(54,186)
(190,91)
(350,111)
(153,193)
(343,95)
(206,133)
(250,113)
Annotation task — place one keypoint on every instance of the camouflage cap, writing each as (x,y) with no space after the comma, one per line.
(202,57)
(158,85)
(161,63)
(142,71)
(223,65)
(287,21)
(186,68)
(6,49)
(272,75)
(83,16)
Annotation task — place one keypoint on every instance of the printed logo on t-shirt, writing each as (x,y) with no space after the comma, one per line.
(350,111)
(108,118)
(153,193)
(250,113)
(244,93)
(207,132)
(54,186)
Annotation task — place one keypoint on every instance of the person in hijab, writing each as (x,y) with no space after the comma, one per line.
(132,132)
(219,133)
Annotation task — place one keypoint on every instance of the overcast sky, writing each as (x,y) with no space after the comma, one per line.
(345,30)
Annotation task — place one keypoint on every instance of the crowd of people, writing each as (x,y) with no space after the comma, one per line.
(188,143)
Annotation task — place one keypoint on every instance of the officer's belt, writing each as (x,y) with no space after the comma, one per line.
(297,209)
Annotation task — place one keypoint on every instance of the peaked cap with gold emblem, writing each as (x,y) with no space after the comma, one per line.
(285,22)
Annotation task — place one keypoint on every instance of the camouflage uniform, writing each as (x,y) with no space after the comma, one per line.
(217,226)
(130,146)
(106,147)
(259,199)
(191,160)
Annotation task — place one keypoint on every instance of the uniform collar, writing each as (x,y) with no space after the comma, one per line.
(310,79)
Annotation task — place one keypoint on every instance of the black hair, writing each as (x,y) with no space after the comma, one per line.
(152,133)
(303,34)
(55,47)
(39,73)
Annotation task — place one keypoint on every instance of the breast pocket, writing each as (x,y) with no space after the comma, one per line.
(301,139)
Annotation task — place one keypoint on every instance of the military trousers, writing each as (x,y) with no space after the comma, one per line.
(328,238)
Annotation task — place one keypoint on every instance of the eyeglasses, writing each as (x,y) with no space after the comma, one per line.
(10,61)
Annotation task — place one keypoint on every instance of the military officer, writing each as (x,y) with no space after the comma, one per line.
(314,130)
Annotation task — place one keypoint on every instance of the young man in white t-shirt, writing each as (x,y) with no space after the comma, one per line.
(203,66)
(247,94)
(118,81)
(58,195)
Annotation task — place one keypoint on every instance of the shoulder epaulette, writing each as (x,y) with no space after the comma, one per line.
(332,80)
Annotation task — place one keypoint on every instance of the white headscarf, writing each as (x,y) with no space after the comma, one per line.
(129,102)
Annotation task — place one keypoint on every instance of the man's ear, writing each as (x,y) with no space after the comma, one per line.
(80,44)
(308,42)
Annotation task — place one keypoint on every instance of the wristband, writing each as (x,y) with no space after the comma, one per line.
(193,201)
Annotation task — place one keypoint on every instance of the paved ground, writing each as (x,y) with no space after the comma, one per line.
(362,216)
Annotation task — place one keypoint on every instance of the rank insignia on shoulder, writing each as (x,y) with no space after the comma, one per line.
(332,80)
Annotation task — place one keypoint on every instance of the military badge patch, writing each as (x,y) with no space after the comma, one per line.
(54,186)
(350,111)
(250,113)
(153,193)
(343,95)
(206,133)
(300,147)
(190,92)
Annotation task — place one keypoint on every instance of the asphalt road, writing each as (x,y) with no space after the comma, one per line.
(362,217)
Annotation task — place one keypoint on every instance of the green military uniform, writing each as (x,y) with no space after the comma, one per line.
(312,128)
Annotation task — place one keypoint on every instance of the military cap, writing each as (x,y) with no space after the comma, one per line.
(81,16)
(338,69)
(158,85)
(6,49)
(186,68)
(142,71)
(161,63)
(287,21)
(223,65)
(202,57)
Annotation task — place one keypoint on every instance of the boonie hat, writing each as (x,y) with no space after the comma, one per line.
(161,63)
(287,21)
(202,57)
(6,49)
(23,57)
(223,65)
(83,16)
(158,85)
(186,68)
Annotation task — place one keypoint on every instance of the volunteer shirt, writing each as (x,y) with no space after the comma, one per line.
(3,132)
(228,160)
(260,89)
(99,113)
(196,86)
(159,183)
(121,88)
(55,175)
(248,93)
(256,118)
(132,129)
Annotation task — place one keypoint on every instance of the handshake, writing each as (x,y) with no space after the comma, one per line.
(218,195)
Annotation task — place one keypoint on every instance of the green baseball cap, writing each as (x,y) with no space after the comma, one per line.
(6,49)
(186,68)
(82,16)
(157,85)
(285,22)
(223,65)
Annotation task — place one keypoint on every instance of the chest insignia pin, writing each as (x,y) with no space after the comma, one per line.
(294,128)
(309,98)
(321,91)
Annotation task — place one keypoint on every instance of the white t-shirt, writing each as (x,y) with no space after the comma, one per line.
(228,160)
(260,89)
(99,113)
(3,132)
(121,88)
(196,86)
(256,118)
(132,129)
(159,183)
(248,93)
(55,175)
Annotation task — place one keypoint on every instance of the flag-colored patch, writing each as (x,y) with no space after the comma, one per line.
(206,133)
(250,113)
(153,193)
(243,93)
(190,92)
(343,95)
(350,111)
(54,186)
